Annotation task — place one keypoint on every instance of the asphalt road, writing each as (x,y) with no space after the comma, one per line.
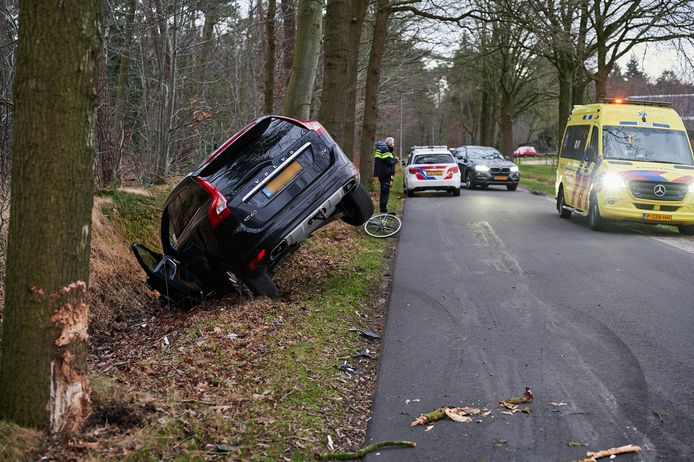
(493,292)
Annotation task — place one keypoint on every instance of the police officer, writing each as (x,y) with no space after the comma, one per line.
(384,169)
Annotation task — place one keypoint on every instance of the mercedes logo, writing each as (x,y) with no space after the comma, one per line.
(659,190)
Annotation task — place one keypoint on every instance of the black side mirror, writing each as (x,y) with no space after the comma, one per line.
(591,154)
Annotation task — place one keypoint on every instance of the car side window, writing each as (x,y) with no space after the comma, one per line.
(575,142)
(592,150)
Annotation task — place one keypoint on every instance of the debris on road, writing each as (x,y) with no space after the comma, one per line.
(572,444)
(232,336)
(363,354)
(428,428)
(366,333)
(658,415)
(526,410)
(558,404)
(349,455)
(512,403)
(594,456)
(349,369)
(429,417)
(416,400)
(456,414)
(461,414)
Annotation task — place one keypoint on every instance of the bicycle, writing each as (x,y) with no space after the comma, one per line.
(382,225)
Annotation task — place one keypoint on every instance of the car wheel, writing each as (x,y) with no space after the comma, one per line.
(595,221)
(358,206)
(561,206)
(166,234)
(469,182)
(511,187)
(687,230)
(262,286)
(456,192)
(484,186)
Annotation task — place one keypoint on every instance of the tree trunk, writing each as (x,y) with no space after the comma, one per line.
(306,54)
(106,151)
(506,124)
(373,77)
(333,104)
(43,380)
(289,39)
(355,29)
(121,88)
(486,121)
(269,95)
(211,18)
(564,74)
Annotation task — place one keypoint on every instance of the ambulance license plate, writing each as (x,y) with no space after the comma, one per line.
(657,217)
(501,178)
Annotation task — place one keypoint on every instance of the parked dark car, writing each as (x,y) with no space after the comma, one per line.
(233,220)
(483,166)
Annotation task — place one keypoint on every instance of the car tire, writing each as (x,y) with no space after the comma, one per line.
(687,230)
(262,286)
(484,186)
(456,192)
(358,206)
(511,187)
(561,209)
(595,221)
(164,230)
(469,182)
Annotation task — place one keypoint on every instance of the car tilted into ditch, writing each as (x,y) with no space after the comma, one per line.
(230,223)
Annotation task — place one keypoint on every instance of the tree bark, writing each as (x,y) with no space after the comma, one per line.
(306,54)
(565,76)
(211,17)
(106,151)
(121,88)
(358,12)
(373,77)
(43,379)
(269,95)
(333,106)
(289,39)
(506,124)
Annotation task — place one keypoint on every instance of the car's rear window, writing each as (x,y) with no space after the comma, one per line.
(433,159)
(252,152)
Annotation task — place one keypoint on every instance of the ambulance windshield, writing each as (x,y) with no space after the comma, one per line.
(644,144)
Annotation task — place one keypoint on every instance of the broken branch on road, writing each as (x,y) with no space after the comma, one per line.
(349,455)
(594,456)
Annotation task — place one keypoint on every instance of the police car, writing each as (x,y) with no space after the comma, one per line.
(431,168)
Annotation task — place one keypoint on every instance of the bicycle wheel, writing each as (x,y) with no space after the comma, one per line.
(382,225)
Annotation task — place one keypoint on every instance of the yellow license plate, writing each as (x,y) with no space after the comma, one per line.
(501,178)
(435,172)
(282,179)
(657,217)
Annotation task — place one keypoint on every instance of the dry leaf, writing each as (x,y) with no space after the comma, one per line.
(460,414)
(485,413)
(428,428)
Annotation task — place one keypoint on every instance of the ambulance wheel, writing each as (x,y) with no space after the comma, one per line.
(563,211)
(687,230)
(595,221)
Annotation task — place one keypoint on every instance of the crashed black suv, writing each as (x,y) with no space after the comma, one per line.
(232,221)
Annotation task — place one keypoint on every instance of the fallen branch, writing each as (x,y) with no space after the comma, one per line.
(432,416)
(593,456)
(349,455)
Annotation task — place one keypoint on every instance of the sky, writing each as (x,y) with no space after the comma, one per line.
(656,58)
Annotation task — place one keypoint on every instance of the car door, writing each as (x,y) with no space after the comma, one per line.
(571,160)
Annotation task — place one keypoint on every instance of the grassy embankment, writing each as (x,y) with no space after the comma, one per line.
(171,385)
(538,178)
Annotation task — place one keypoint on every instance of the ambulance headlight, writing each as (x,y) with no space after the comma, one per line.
(612,181)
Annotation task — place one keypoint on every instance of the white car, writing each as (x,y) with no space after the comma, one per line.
(431,168)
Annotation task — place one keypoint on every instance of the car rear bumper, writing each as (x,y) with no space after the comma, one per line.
(413,184)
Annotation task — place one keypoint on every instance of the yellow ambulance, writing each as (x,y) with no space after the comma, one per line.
(626,160)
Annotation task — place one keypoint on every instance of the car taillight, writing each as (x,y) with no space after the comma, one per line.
(453,170)
(257,259)
(413,170)
(315,126)
(218,210)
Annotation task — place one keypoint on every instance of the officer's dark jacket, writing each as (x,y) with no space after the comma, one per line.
(384,162)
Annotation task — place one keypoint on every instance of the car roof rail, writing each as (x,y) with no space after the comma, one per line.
(430,147)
